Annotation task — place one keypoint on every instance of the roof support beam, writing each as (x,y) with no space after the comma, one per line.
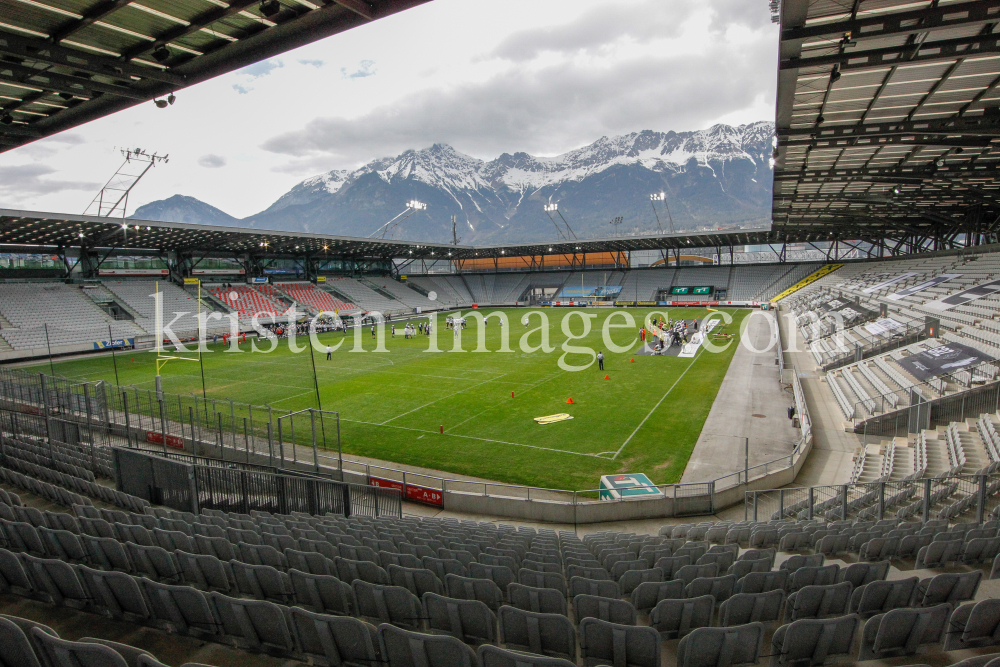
(923,20)
(946,49)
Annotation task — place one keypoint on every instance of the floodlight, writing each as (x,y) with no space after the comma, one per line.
(6,119)
(551,207)
(171,98)
(161,54)
(270,7)
(160,104)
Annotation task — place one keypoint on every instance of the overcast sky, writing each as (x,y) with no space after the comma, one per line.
(486,76)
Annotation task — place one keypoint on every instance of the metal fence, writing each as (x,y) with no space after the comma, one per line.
(185,483)
(871,345)
(958,497)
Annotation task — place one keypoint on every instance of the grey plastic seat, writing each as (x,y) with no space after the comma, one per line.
(762,582)
(810,641)
(13,577)
(388,558)
(813,576)
(831,545)
(330,641)
(494,656)
(647,595)
(670,565)
(470,588)
(606,609)
(17,648)
(720,588)
(442,567)
(819,601)
(632,578)
(948,587)
(309,561)
(903,631)
(107,553)
(205,572)
(721,647)
(545,634)
(602,588)
(860,574)
(468,620)
(723,559)
(416,580)
(63,544)
(588,572)
(262,554)
(58,580)
(58,652)
(797,561)
(322,593)
(501,575)
(974,626)
(24,537)
(743,608)
(603,643)
(404,648)
(133,534)
(541,600)
(262,582)
(183,609)
(676,618)
(154,563)
(174,540)
(134,657)
(349,570)
(256,625)
(388,604)
(317,546)
(115,593)
(757,554)
(878,597)
(542,580)
(742,568)
(939,554)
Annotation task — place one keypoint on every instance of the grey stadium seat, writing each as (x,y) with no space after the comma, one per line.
(388,604)
(860,574)
(442,567)
(468,620)
(63,544)
(254,624)
(606,609)
(17,648)
(676,618)
(902,631)
(334,640)
(469,588)
(948,587)
(154,563)
(309,561)
(205,572)
(402,648)
(602,588)
(648,595)
(819,601)
(183,609)
(416,580)
(58,580)
(494,656)
(671,564)
(350,570)
(744,608)
(974,626)
(721,647)
(58,652)
(878,597)
(545,634)
(115,593)
(811,641)
(322,593)
(542,600)
(813,576)
(542,580)
(501,575)
(719,588)
(595,572)
(742,568)
(262,582)
(603,643)
(262,554)
(632,578)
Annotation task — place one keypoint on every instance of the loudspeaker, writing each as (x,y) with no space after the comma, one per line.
(932,326)
(883,310)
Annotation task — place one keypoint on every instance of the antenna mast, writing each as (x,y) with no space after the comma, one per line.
(115,192)
(454,231)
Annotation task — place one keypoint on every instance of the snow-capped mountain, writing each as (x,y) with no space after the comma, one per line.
(713,178)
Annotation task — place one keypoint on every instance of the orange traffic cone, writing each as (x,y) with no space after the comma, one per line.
(442,429)
(569,400)
(512,394)
(606,377)
(632,361)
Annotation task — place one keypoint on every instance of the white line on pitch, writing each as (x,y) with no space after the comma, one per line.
(452,428)
(444,397)
(658,403)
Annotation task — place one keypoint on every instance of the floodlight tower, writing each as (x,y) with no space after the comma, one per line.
(615,222)
(554,208)
(412,207)
(660,196)
(115,192)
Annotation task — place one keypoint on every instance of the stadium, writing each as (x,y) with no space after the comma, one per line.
(231,445)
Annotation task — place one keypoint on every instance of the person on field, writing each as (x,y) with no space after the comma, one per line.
(393,330)
(600,361)
(642,334)
(329,353)
(373,331)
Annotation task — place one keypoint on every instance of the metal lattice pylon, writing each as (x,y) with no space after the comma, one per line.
(113,197)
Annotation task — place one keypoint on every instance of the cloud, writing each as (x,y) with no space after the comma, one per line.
(365,68)
(314,63)
(263,68)
(212,161)
(242,90)
(71,138)
(21,182)
(549,109)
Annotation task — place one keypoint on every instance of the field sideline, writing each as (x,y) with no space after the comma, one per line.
(645,418)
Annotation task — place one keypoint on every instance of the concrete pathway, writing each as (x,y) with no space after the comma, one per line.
(751,403)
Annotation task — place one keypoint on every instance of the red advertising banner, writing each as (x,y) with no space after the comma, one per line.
(174,441)
(417,494)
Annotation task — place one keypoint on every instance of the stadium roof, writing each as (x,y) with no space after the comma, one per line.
(888,117)
(28,231)
(67,62)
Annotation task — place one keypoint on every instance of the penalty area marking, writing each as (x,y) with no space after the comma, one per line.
(679,378)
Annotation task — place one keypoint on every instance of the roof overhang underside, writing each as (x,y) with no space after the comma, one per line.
(23,231)
(888,121)
(67,62)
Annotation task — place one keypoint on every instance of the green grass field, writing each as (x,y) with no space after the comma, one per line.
(645,418)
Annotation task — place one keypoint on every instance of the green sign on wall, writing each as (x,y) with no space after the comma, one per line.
(702,290)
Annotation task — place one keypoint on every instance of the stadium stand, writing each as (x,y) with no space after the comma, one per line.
(248,302)
(450,290)
(408,297)
(643,284)
(365,297)
(137,295)
(315,298)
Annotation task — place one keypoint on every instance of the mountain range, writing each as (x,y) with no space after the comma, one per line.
(714,178)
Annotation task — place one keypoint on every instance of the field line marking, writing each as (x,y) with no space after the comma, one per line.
(471,437)
(444,397)
(650,414)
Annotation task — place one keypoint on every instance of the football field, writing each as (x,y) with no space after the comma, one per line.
(645,417)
